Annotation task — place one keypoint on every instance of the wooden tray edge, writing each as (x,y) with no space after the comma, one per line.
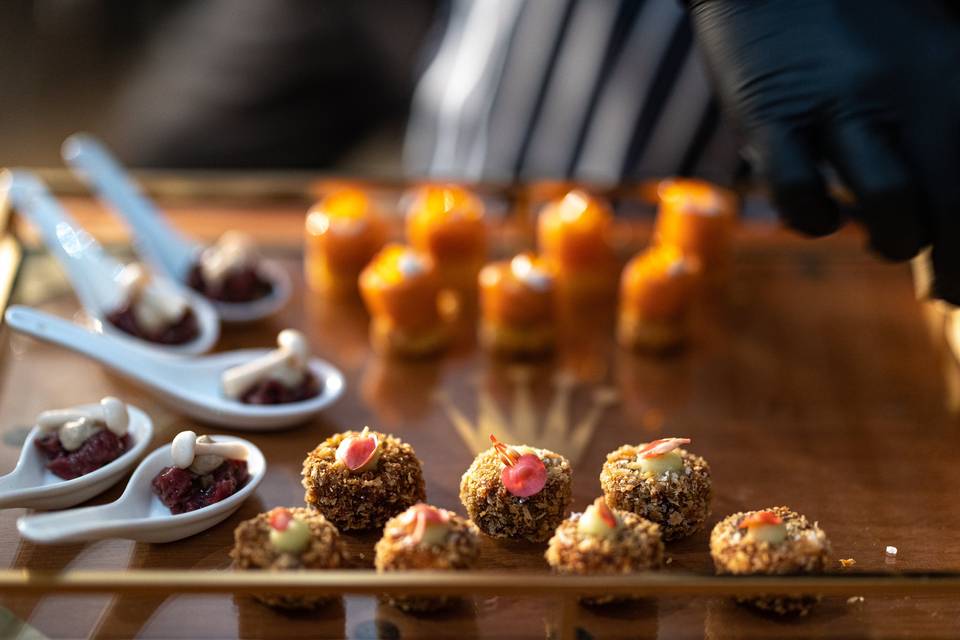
(651,584)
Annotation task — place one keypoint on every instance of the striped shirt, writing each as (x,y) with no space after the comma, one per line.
(602,91)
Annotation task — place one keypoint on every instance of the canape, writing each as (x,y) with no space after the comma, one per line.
(574,234)
(409,312)
(229,270)
(343,232)
(152,311)
(204,472)
(602,540)
(446,222)
(698,218)
(361,479)
(516,491)
(517,306)
(775,541)
(425,537)
(280,376)
(660,482)
(657,288)
(285,539)
(79,440)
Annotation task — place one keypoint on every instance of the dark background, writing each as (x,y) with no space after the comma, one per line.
(319,84)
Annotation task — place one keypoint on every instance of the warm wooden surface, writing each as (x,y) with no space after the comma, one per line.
(811,382)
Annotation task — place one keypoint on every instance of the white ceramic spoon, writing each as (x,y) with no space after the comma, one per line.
(32,486)
(191,386)
(162,246)
(138,514)
(93,272)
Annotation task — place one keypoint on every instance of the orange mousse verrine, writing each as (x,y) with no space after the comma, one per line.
(517,292)
(574,232)
(343,232)
(658,284)
(697,217)
(401,286)
(446,222)
(517,306)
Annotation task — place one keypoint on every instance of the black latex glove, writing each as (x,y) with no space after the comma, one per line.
(870,88)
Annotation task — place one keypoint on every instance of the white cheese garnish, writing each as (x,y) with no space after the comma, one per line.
(232,252)
(410,264)
(347,226)
(186,452)
(286,364)
(678,267)
(206,463)
(202,455)
(529,274)
(713,206)
(154,306)
(287,375)
(74,433)
(573,205)
(320,223)
(111,413)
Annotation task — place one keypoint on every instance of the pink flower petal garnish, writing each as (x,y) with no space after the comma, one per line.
(280,518)
(355,452)
(526,477)
(508,455)
(605,514)
(661,446)
(760,518)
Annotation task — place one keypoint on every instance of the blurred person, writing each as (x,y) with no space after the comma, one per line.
(606,91)
(602,91)
(267,83)
(870,89)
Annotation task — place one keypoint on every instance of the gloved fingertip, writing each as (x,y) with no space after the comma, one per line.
(946,273)
(887,199)
(945,291)
(796,185)
(807,208)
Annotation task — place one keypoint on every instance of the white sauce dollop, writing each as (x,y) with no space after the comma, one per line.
(287,364)
(678,267)
(410,264)
(154,305)
(529,274)
(232,252)
(346,226)
(74,433)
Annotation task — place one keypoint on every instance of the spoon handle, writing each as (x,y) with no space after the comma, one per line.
(161,244)
(72,525)
(111,352)
(90,268)
(12,480)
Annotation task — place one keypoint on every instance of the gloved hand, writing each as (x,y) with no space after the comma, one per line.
(870,88)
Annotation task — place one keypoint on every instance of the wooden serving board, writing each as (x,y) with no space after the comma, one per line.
(810,382)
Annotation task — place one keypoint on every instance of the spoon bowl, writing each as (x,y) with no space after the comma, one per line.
(32,486)
(241,312)
(93,272)
(138,514)
(191,386)
(163,247)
